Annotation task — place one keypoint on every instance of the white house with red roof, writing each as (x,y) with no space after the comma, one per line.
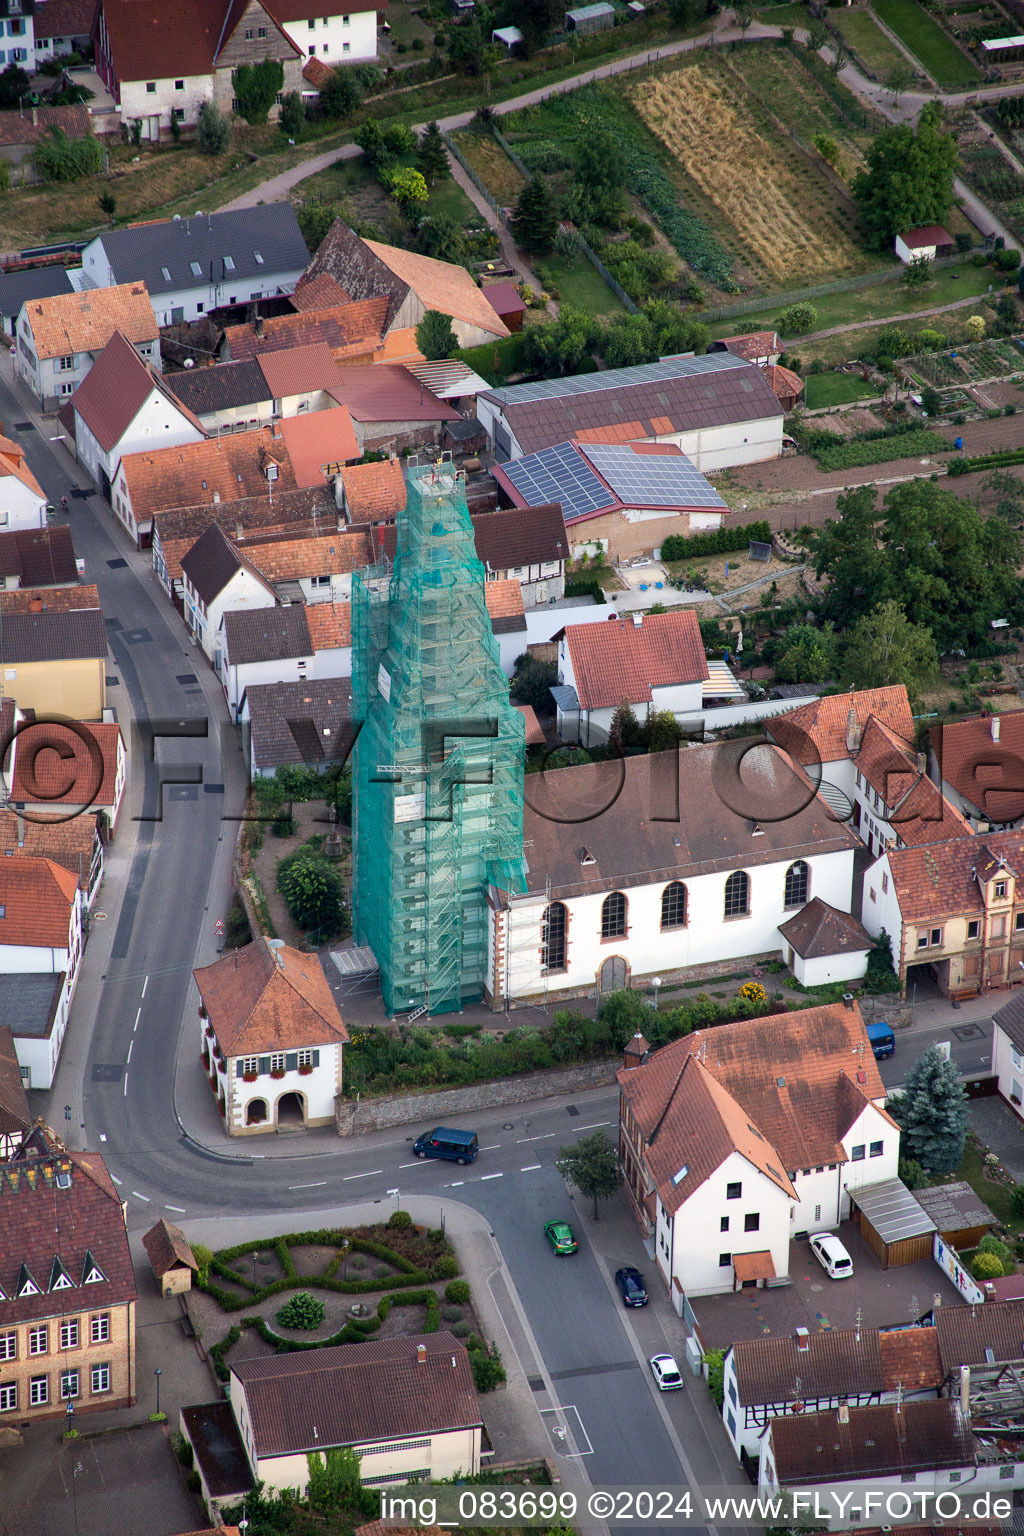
(271,1037)
(928,241)
(123,406)
(22,501)
(653,662)
(68,772)
(737,1140)
(40,957)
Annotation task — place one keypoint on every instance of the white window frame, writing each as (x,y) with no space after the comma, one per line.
(70,1333)
(99,1328)
(9,1397)
(37,1334)
(70,1384)
(39,1391)
(9,1345)
(102,1373)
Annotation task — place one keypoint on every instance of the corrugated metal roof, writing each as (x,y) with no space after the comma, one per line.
(448,380)
(892,1211)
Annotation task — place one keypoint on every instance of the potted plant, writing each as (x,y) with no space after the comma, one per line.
(202,1011)
(222,1065)
(305,1068)
(277,1074)
(249,1077)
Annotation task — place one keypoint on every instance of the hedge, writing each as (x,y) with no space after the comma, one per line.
(1002,460)
(409,1274)
(585,586)
(721,542)
(902,445)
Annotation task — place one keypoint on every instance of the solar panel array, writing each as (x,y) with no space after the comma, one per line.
(652,479)
(617,378)
(558,474)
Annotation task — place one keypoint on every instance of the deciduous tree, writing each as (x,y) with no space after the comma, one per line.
(256,88)
(591,1165)
(341,94)
(909,177)
(407,187)
(884,649)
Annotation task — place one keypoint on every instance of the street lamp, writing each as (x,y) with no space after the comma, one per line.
(255,1256)
(158,1373)
(344,1257)
(655,983)
(67,1112)
(397,1194)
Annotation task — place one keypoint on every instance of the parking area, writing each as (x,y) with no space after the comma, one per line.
(873,1297)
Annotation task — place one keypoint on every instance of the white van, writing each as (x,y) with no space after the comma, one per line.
(832,1256)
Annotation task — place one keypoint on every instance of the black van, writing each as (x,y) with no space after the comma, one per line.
(454,1146)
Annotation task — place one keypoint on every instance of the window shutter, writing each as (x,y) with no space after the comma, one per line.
(239,1067)
(316,1058)
(291,1061)
(264,1063)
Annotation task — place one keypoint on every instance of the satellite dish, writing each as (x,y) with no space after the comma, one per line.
(189,362)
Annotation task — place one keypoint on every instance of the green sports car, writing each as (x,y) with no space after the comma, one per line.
(559,1235)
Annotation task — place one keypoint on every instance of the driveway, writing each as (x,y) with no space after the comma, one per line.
(873,1296)
(124,1483)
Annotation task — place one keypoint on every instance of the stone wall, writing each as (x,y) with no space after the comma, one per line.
(353,1117)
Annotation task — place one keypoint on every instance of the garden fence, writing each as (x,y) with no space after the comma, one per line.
(781,301)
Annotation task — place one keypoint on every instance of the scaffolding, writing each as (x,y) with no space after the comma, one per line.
(438,776)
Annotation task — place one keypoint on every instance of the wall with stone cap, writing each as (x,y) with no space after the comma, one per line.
(427,1109)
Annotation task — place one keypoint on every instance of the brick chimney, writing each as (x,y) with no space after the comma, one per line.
(421,1354)
(852,731)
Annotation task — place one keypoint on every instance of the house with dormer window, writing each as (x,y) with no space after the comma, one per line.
(736,1140)
(953,910)
(67,1288)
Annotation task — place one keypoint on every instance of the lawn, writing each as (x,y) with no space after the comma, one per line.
(937,52)
(784,16)
(405,27)
(490,162)
(878,301)
(824,389)
(866,38)
(995,1195)
(579,284)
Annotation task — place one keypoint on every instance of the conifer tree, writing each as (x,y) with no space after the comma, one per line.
(432,157)
(932,1113)
(534,220)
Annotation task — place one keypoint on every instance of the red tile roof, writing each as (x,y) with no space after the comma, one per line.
(64,18)
(229,468)
(793,1075)
(374,492)
(18,128)
(36,896)
(884,1440)
(320,292)
(910,1359)
(752,345)
(167,1248)
(534,735)
(985,771)
(322,441)
(504,299)
(820,929)
(926,234)
(298,370)
(85,322)
(356,326)
(152,42)
(918,810)
(82,1227)
(329,625)
(69,842)
(115,389)
(940,880)
(624,660)
(817,732)
(80,768)
(388,392)
(257,1004)
(786,384)
(317,73)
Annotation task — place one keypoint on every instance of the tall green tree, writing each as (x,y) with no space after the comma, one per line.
(591,1165)
(373,144)
(909,177)
(952,571)
(562,346)
(806,654)
(312,892)
(441,236)
(292,117)
(432,155)
(625,734)
(435,337)
(314,217)
(536,20)
(341,94)
(932,1113)
(885,648)
(534,222)
(14,84)
(256,88)
(213,131)
(466,48)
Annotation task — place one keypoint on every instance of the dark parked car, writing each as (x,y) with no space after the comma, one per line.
(631,1283)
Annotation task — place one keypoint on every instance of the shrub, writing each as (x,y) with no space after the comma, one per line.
(721,542)
(461,1330)
(213,131)
(911,1173)
(444,1268)
(985,1266)
(302,1311)
(451,1314)
(399,1221)
(488,1371)
(58,158)
(312,892)
(457,1291)
(992,1244)
(1017,1200)
(1006,260)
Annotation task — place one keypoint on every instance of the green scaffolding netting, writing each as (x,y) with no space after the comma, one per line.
(438,775)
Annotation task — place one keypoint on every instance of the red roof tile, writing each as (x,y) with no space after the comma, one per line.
(985,771)
(115,389)
(322,441)
(320,292)
(388,392)
(374,492)
(69,772)
(258,1004)
(940,880)
(36,897)
(625,660)
(534,735)
(817,732)
(918,810)
(298,370)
